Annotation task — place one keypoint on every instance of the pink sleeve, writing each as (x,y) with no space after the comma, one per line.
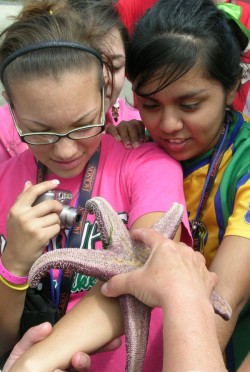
(156,182)
(10,143)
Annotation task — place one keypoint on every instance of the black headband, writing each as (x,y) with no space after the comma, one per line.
(45,45)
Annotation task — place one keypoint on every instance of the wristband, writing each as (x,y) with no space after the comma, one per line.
(16,287)
(10,277)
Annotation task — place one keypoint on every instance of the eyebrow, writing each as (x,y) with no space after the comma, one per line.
(72,123)
(185,96)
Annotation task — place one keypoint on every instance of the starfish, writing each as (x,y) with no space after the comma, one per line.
(124,254)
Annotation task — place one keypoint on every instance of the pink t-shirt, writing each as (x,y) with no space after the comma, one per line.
(11,145)
(134,182)
(125,113)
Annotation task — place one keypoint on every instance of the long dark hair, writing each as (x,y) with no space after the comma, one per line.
(174,36)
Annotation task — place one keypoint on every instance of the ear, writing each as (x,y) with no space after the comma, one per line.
(232,92)
(5,95)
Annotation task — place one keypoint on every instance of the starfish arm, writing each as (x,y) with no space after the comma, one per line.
(167,226)
(136,323)
(114,233)
(221,306)
(170,222)
(124,254)
(98,263)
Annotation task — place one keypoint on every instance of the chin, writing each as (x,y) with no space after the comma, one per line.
(67,173)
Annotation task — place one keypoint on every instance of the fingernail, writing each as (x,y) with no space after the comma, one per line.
(128,144)
(136,144)
(82,360)
(118,138)
(27,183)
(56,182)
(104,288)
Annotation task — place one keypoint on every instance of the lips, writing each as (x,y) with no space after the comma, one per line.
(177,141)
(67,164)
(175,145)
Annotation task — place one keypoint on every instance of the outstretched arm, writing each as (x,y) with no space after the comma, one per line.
(232,261)
(92,323)
(80,361)
(182,287)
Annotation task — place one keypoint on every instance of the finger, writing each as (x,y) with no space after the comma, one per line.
(112,345)
(118,285)
(31,193)
(214,279)
(112,130)
(122,129)
(148,237)
(31,337)
(141,131)
(136,133)
(47,207)
(80,362)
(49,220)
(27,185)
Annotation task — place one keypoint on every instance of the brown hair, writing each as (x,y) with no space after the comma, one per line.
(46,21)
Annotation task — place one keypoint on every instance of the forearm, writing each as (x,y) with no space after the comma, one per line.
(232,262)
(91,324)
(226,328)
(11,310)
(190,340)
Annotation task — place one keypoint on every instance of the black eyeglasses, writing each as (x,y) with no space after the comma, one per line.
(47,138)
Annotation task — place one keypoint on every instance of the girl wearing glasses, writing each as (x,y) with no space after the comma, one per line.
(54,85)
(112,38)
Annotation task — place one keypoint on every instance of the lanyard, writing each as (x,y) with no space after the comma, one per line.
(198,228)
(64,282)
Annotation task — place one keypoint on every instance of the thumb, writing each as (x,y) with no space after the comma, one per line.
(118,285)
(31,337)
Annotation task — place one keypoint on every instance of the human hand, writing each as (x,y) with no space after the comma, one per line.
(80,361)
(173,271)
(30,227)
(131,133)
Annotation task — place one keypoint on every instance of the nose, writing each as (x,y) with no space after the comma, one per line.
(171,120)
(65,149)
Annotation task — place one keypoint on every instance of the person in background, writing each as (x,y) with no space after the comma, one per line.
(131,11)
(111,35)
(185,68)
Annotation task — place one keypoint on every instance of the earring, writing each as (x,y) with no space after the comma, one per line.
(115,111)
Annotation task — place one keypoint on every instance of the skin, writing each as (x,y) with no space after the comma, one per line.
(189,287)
(185,118)
(113,46)
(186,126)
(32,227)
(124,254)
(181,280)
(66,158)
(80,361)
(59,108)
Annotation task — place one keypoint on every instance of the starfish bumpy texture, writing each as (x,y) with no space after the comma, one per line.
(124,254)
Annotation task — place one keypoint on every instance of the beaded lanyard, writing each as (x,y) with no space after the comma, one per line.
(60,296)
(197,227)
